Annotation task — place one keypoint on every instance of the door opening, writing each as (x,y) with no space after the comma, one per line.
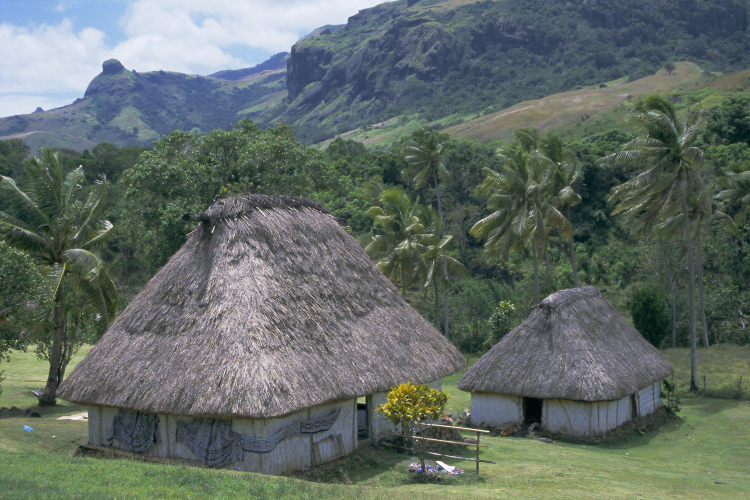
(532,411)
(363,419)
(633,406)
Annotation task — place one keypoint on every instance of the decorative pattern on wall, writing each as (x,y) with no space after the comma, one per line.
(217,445)
(136,430)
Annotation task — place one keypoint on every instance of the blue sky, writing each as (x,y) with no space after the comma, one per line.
(51,49)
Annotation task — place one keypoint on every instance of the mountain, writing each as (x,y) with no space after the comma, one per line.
(274,63)
(423,61)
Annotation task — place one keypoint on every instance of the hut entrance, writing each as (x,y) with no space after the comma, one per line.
(633,406)
(363,419)
(532,411)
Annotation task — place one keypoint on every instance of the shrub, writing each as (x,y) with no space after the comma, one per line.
(650,315)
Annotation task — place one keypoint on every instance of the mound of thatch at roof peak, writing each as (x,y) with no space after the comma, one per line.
(572,346)
(274,309)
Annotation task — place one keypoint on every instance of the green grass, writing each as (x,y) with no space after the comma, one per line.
(723,365)
(682,459)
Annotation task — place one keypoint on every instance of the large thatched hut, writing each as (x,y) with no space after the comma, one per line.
(250,347)
(574,366)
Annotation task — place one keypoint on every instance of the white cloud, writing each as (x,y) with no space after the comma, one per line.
(191,36)
(49,58)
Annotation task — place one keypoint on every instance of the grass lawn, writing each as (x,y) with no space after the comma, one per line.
(685,458)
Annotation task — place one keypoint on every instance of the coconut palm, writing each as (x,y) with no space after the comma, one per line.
(523,212)
(735,193)
(435,257)
(423,154)
(668,183)
(403,241)
(59,223)
(565,170)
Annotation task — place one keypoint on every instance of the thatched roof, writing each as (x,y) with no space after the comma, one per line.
(268,308)
(573,346)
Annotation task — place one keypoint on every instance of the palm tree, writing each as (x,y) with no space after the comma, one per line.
(423,154)
(670,181)
(565,171)
(523,209)
(59,223)
(401,245)
(735,194)
(436,258)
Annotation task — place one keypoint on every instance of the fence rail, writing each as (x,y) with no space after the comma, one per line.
(458,443)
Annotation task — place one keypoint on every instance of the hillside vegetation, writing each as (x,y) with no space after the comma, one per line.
(429,61)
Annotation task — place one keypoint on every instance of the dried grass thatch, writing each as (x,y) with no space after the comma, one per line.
(572,346)
(269,307)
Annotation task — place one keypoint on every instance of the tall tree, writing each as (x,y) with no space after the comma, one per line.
(671,179)
(565,171)
(435,257)
(523,212)
(423,154)
(60,224)
(403,241)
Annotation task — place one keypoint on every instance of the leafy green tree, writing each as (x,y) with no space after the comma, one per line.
(671,180)
(60,224)
(81,324)
(423,153)
(523,212)
(403,242)
(500,322)
(187,172)
(23,291)
(649,311)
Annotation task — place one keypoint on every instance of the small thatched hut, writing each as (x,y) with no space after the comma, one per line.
(574,366)
(249,348)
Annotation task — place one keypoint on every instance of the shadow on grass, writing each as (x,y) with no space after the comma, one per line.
(379,466)
(45,411)
(631,434)
(710,406)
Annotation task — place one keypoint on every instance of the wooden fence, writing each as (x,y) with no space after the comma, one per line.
(455,443)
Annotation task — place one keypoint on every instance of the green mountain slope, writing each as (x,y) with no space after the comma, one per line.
(125,107)
(439,58)
(428,61)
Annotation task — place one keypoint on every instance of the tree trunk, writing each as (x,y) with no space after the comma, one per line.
(699,262)
(547,286)
(673,339)
(48,397)
(573,252)
(691,295)
(445,261)
(437,303)
(536,274)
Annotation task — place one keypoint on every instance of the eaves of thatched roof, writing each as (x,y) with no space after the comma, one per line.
(269,307)
(572,346)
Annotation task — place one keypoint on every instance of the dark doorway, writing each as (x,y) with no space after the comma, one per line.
(633,406)
(532,411)
(363,419)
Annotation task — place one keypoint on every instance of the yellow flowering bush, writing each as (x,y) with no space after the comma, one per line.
(410,403)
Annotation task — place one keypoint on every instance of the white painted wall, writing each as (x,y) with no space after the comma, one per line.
(290,454)
(495,409)
(649,399)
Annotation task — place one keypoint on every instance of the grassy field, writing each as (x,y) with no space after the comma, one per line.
(702,454)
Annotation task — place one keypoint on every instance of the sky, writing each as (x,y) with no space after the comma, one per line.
(51,49)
